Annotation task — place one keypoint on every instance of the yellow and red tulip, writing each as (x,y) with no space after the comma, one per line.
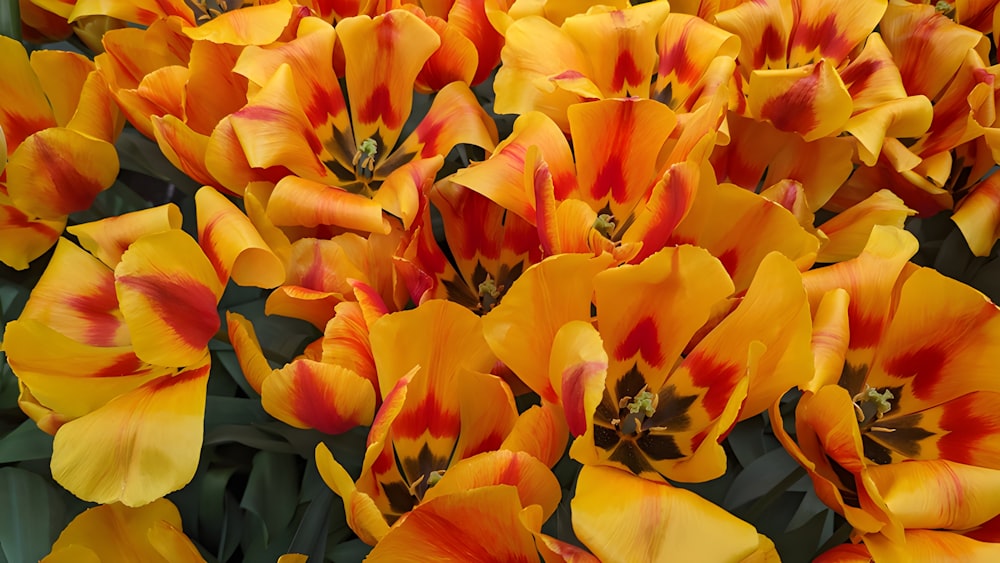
(58,125)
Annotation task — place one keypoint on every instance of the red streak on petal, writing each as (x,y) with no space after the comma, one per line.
(856,76)
(823,36)
(626,71)
(770,47)
(379,105)
(17,127)
(969,425)
(315,276)
(718,376)
(730,260)
(310,405)
(184,304)
(206,238)
(429,133)
(568,75)
(99,309)
(644,340)
(675,59)
(384,462)
(127,364)
(924,367)
(792,109)
(574,388)
(427,415)
(610,179)
(866,330)
(488,444)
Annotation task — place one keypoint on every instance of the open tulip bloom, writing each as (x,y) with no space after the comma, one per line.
(499,280)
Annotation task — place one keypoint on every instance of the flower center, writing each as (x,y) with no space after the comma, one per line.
(635,411)
(605,224)
(364,159)
(871,405)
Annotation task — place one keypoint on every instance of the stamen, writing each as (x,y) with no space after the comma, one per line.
(605,225)
(364,159)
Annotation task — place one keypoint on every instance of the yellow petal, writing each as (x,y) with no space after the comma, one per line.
(107,239)
(621,517)
(115,533)
(168,291)
(309,394)
(233,244)
(137,448)
(810,100)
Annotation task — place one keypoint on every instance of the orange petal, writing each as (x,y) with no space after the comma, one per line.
(58,171)
(535,483)
(492,530)
(521,333)
(23,238)
(168,293)
(540,431)
(978,216)
(577,369)
(869,279)
(619,45)
(380,73)
(274,131)
(25,110)
(346,343)
(108,238)
(931,545)
(671,523)
(670,200)
(251,25)
(308,394)
(926,323)
(233,245)
(810,100)
(61,75)
(688,46)
(298,201)
(830,29)
(455,117)
(763,28)
(483,430)
(363,516)
(740,251)
(251,357)
(848,231)
(524,81)
(183,146)
(926,46)
(774,311)
(143,12)
(137,448)
(85,309)
(455,60)
(616,144)
(501,177)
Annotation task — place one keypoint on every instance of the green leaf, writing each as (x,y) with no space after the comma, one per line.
(31,515)
(137,153)
(353,551)
(26,442)
(248,436)
(272,491)
(760,478)
(310,537)
(10,19)
(220,518)
(220,411)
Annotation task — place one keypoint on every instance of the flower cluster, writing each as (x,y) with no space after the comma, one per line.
(551,263)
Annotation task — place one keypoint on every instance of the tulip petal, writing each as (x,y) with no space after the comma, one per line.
(251,357)
(25,109)
(115,533)
(619,46)
(302,202)
(380,73)
(849,230)
(308,394)
(809,100)
(137,448)
(978,216)
(58,171)
(233,245)
(535,483)
(251,25)
(168,293)
(565,284)
(656,521)
(492,530)
(107,239)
